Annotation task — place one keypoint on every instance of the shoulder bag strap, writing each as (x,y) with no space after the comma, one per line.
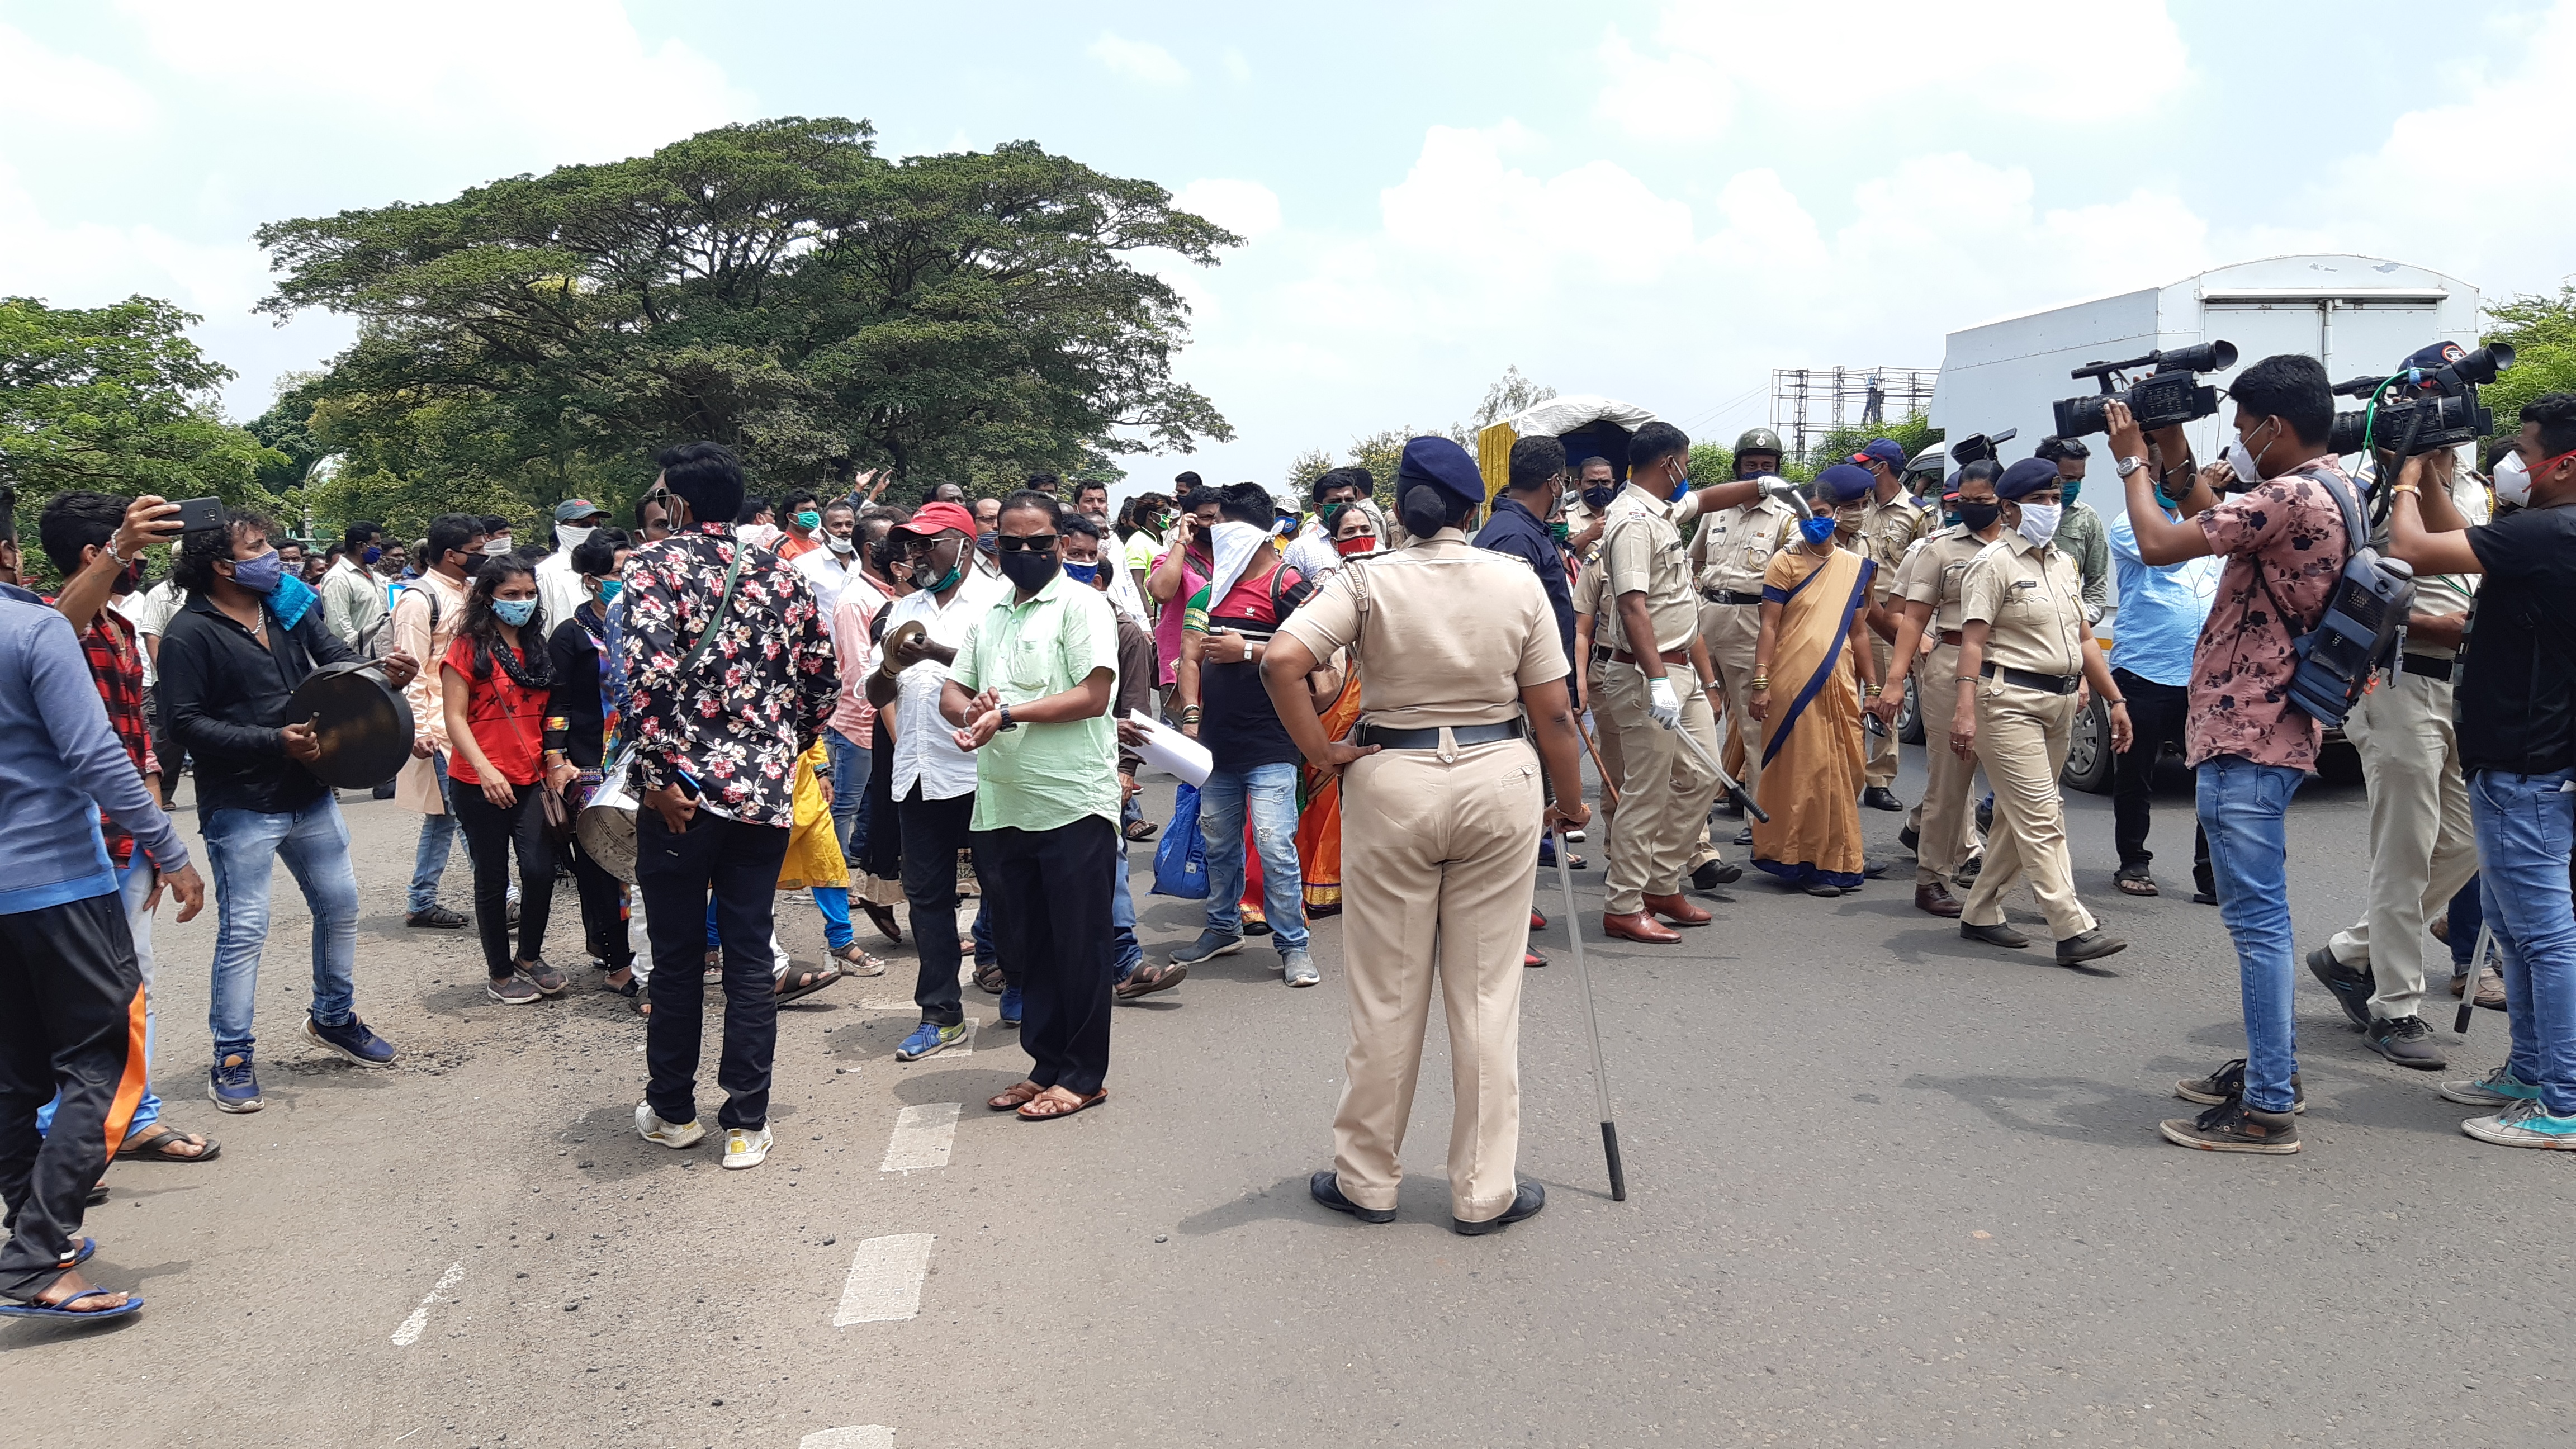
(707,635)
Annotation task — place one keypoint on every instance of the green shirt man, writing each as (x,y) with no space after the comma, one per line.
(1034,776)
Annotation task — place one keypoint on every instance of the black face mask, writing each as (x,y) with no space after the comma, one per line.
(1029,572)
(1600,498)
(1979,516)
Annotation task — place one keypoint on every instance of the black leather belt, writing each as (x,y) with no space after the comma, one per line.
(2044,683)
(1729,596)
(1669,656)
(1483,734)
(1601,653)
(2425,665)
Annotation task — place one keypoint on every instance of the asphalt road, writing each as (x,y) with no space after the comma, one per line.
(1885,1188)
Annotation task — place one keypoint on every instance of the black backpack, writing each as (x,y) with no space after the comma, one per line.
(2356,635)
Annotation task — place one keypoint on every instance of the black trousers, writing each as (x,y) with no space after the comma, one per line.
(491,833)
(2156,713)
(1050,892)
(71,1021)
(933,832)
(603,911)
(738,863)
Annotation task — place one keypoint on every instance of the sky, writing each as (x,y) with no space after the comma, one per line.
(1656,202)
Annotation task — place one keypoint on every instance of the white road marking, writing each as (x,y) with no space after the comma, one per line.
(884,1285)
(409,1333)
(863,1436)
(922,1137)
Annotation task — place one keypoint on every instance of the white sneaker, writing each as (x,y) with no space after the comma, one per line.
(745,1147)
(669,1134)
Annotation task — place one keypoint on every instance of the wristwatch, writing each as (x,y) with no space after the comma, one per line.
(2131,465)
(1007,722)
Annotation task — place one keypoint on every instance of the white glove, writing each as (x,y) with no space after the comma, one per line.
(1663,703)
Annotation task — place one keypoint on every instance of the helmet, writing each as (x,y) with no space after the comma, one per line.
(1760,440)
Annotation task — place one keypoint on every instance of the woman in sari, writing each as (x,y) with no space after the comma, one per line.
(1337,699)
(1810,650)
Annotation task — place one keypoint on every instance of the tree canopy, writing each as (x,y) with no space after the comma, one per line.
(777,286)
(2542,333)
(116,399)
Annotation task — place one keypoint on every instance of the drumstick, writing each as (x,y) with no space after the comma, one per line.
(1598,768)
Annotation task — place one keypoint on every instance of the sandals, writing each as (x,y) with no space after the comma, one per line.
(1141,829)
(1056,1102)
(990,977)
(1148,978)
(631,987)
(882,917)
(154,1142)
(2133,880)
(18,1308)
(1019,1095)
(799,982)
(855,962)
(715,968)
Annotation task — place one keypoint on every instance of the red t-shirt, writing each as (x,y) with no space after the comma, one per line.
(509,722)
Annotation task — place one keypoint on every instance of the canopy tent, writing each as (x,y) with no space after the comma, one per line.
(1589,426)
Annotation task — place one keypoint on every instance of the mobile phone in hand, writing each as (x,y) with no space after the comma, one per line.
(201,515)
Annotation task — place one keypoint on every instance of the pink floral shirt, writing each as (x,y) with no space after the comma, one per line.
(2287,533)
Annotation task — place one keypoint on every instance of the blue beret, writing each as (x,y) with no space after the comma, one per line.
(1442,464)
(1950,486)
(2026,477)
(2435,357)
(1885,450)
(1845,482)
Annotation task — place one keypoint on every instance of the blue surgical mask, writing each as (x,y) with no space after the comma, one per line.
(2067,488)
(370,554)
(260,575)
(514,612)
(1816,530)
(1083,573)
(609,589)
(1681,486)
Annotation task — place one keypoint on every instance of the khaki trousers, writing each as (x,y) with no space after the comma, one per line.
(1879,768)
(1731,631)
(1605,738)
(2022,736)
(1439,861)
(2423,847)
(1664,793)
(1944,821)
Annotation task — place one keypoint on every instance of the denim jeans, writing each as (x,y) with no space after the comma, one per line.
(1125,954)
(849,764)
(437,838)
(1270,793)
(2526,828)
(2244,808)
(242,847)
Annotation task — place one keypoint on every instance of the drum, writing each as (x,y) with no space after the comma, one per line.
(364,723)
(607,824)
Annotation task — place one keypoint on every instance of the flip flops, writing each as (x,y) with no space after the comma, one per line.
(152,1144)
(806,982)
(1058,1107)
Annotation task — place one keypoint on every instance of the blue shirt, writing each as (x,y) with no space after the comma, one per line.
(2162,607)
(1515,530)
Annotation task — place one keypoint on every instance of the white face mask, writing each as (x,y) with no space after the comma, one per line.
(2039,521)
(2512,481)
(840,545)
(572,536)
(2247,464)
(497,547)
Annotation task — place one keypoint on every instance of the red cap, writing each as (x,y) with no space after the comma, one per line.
(932,519)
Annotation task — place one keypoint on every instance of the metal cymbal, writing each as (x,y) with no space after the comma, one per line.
(363,722)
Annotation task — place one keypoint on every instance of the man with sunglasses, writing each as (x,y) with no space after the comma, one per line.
(934,780)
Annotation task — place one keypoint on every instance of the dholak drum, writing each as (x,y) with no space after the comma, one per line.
(364,723)
(607,824)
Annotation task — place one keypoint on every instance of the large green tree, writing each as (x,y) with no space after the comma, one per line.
(778,286)
(2542,332)
(119,400)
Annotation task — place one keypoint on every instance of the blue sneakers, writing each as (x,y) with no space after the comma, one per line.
(1010,1006)
(231,1084)
(929,1037)
(2498,1089)
(352,1040)
(2524,1124)
(1211,944)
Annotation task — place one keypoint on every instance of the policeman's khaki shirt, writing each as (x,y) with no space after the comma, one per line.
(2032,599)
(1735,545)
(1887,530)
(1642,552)
(1933,570)
(1446,633)
(1590,598)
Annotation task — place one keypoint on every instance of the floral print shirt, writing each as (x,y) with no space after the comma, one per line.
(2287,533)
(755,702)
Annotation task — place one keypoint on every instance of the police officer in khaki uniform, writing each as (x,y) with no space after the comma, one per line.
(1461,670)
(1890,523)
(1943,831)
(2026,644)
(1730,550)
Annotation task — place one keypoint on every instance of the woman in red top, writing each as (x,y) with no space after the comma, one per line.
(496,682)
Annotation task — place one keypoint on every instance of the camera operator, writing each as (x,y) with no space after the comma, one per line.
(2284,544)
(2423,847)
(2517,744)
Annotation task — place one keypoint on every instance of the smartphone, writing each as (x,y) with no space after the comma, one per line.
(200,515)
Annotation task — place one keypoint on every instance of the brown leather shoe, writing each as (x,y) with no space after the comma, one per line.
(1677,909)
(1638,926)
(1936,898)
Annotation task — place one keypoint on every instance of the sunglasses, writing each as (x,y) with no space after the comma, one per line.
(1024,543)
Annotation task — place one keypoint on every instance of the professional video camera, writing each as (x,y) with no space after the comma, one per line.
(1976,446)
(2429,403)
(2171,395)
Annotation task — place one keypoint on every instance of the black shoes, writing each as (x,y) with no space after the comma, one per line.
(1911,839)
(1709,877)
(1525,1205)
(1327,1188)
(2228,1082)
(2231,1126)
(2407,1041)
(1879,797)
(436,918)
(2000,933)
(2093,945)
(2352,988)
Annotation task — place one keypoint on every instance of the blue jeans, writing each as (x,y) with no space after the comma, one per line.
(136,884)
(2526,827)
(1125,955)
(437,838)
(243,846)
(849,763)
(2244,808)
(1270,793)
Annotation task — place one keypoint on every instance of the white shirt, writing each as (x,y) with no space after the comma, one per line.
(925,752)
(827,573)
(151,614)
(559,587)
(1311,552)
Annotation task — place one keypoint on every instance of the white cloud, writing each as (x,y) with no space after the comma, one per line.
(1138,60)
(1237,69)
(1682,97)
(1463,204)
(1247,208)
(51,92)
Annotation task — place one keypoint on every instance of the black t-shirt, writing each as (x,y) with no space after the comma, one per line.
(1237,722)
(2517,697)
(574,651)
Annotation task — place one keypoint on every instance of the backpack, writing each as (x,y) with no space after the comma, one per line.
(2356,635)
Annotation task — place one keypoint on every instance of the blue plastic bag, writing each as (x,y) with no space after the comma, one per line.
(1180,859)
